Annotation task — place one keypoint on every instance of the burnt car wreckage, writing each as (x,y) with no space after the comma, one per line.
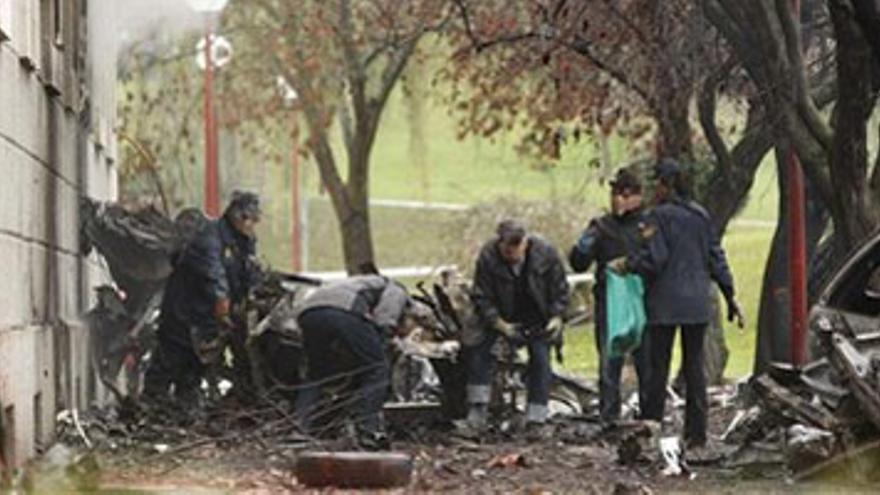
(827,413)
(427,384)
(819,421)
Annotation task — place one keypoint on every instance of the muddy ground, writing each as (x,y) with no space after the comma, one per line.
(260,458)
(547,468)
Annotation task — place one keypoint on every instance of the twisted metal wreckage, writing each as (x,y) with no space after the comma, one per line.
(819,420)
(139,249)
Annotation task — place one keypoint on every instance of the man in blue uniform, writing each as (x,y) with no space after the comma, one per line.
(213,274)
(607,238)
(680,257)
(520,292)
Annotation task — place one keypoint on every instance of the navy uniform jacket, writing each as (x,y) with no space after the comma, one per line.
(217,263)
(606,238)
(680,257)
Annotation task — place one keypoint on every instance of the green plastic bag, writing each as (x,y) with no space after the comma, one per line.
(625,313)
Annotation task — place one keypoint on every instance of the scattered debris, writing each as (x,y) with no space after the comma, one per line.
(821,415)
(670,447)
(517,459)
(631,488)
(635,440)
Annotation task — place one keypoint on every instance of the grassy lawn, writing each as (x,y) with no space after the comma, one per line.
(471,171)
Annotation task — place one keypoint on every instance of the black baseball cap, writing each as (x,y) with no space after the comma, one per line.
(667,168)
(245,203)
(625,179)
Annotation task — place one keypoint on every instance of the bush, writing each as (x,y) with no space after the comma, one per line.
(560,222)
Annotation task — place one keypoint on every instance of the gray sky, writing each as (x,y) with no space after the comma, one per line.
(138,18)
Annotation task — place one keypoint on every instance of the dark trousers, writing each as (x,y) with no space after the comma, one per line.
(697,408)
(343,345)
(174,363)
(610,369)
(481,366)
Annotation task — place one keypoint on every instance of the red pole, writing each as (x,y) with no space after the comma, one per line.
(797,253)
(212,200)
(296,216)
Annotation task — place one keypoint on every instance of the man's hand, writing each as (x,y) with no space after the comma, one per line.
(734,312)
(504,328)
(619,265)
(222,314)
(554,328)
(221,308)
(450,348)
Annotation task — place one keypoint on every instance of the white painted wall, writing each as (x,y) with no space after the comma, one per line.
(50,155)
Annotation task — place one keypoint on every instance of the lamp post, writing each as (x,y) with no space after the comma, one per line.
(207,52)
(797,254)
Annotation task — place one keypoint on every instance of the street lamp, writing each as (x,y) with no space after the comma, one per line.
(299,208)
(212,176)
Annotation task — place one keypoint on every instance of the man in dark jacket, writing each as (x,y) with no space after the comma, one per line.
(607,238)
(680,258)
(345,328)
(213,274)
(520,292)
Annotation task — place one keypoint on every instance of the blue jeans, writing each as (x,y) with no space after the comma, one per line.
(481,366)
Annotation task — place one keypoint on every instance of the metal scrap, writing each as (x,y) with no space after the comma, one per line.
(793,407)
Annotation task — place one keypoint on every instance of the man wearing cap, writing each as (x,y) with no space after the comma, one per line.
(614,235)
(680,257)
(520,293)
(346,326)
(213,274)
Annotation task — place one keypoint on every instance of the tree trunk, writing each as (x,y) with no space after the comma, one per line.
(357,241)
(855,210)
(350,202)
(672,114)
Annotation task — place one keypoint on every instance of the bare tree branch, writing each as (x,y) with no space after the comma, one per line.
(706,106)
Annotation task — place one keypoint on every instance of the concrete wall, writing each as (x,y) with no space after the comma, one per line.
(57,108)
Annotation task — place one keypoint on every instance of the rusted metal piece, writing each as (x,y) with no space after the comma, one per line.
(354,469)
(790,405)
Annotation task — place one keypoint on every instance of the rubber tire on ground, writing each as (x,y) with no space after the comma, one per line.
(354,469)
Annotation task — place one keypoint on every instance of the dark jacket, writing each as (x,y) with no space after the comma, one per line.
(494,283)
(680,257)
(374,297)
(606,238)
(218,262)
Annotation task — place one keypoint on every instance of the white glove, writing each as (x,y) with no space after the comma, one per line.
(504,328)
(554,328)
